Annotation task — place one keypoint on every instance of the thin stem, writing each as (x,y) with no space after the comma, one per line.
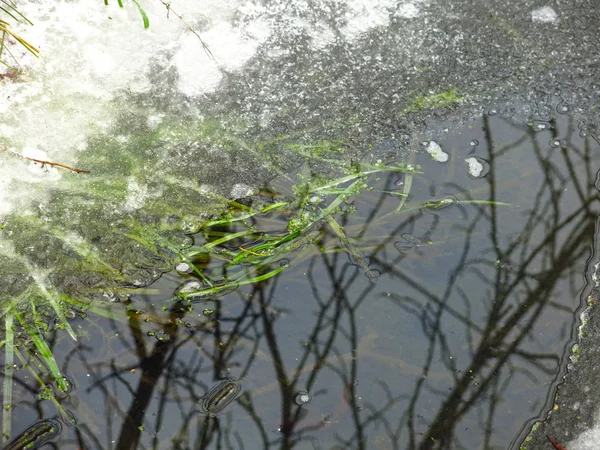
(44,162)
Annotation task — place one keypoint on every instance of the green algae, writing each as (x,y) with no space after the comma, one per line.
(445,99)
(530,436)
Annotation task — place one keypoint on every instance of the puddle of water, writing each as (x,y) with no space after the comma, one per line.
(442,325)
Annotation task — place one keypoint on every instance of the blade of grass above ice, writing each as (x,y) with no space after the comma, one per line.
(9,354)
(44,350)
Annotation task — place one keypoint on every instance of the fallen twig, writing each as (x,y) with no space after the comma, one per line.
(204,46)
(43,162)
(55,164)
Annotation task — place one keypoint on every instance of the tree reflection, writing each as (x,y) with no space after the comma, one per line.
(483,298)
(550,247)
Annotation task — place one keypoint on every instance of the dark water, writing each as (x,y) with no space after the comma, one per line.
(457,344)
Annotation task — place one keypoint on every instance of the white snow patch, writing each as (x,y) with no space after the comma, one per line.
(588,440)
(545,15)
(154,121)
(136,195)
(475,167)
(230,48)
(240,190)
(436,152)
(92,53)
(38,173)
(363,15)
(409,9)
(17,174)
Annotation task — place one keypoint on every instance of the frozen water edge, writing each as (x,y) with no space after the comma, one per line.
(91,53)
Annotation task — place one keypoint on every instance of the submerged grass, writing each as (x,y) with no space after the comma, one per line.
(29,331)
(45,353)
(249,255)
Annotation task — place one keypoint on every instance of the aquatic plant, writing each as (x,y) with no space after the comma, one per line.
(445,99)
(251,256)
(57,258)
(149,191)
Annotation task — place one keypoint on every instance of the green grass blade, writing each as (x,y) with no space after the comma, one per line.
(278,205)
(197,271)
(9,355)
(48,358)
(29,47)
(246,215)
(342,180)
(2,46)
(220,290)
(143,13)
(44,351)
(229,220)
(341,198)
(226,238)
(264,276)
(361,174)
(483,202)
(4,63)
(8,13)
(405,190)
(65,415)
(211,292)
